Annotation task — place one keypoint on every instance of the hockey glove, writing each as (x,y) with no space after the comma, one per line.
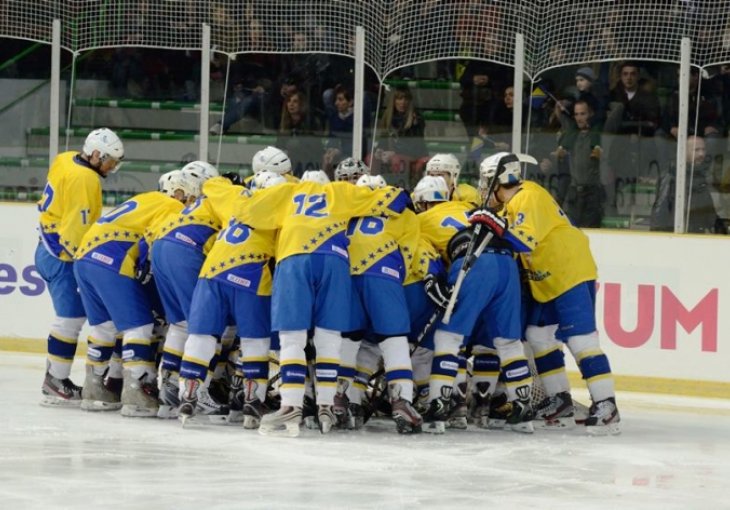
(144,273)
(234,178)
(437,290)
(492,222)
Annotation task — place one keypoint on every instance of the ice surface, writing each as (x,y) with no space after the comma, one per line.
(674,453)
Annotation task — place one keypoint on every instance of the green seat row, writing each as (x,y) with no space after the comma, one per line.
(253,139)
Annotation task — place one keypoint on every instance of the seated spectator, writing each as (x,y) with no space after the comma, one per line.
(703,216)
(339,130)
(480,85)
(709,120)
(300,134)
(591,91)
(400,144)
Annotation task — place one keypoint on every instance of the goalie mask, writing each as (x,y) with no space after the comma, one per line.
(351,170)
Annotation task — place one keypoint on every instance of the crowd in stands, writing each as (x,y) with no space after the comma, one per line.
(601,132)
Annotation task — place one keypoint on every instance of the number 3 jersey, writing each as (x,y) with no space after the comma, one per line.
(313,217)
(70,204)
(114,240)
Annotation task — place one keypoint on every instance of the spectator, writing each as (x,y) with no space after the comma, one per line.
(588,89)
(580,152)
(703,216)
(709,120)
(480,85)
(299,134)
(339,130)
(401,145)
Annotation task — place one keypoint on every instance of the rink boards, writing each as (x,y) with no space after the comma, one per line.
(660,304)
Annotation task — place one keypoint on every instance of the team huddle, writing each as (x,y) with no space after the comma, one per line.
(192,290)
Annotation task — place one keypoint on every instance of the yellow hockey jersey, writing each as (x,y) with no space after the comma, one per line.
(197,225)
(426,260)
(466,193)
(442,221)
(559,257)
(70,204)
(381,246)
(114,240)
(313,217)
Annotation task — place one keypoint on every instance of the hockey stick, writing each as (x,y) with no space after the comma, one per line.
(470,257)
(473,252)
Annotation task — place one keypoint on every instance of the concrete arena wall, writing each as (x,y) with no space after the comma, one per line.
(662,304)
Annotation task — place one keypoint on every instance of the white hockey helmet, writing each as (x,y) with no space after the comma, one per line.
(194,179)
(504,165)
(441,164)
(372,181)
(350,169)
(431,188)
(319,176)
(266,179)
(177,180)
(202,168)
(107,143)
(271,159)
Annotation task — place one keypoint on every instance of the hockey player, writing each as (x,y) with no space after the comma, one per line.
(350,170)
(561,273)
(379,248)
(448,167)
(271,159)
(106,265)
(70,205)
(490,290)
(235,282)
(177,256)
(312,283)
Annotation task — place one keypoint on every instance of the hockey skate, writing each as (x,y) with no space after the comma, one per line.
(520,417)
(236,399)
(555,412)
(95,396)
(479,411)
(139,396)
(407,420)
(188,399)
(604,418)
(341,405)
(282,423)
(438,412)
(326,418)
(457,415)
(169,396)
(309,413)
(208,409)
(355,416)
(60,392)
(499,410)
(253,408)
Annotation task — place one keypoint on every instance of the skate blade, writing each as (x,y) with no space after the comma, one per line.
(555,424)
(51,401)
(612,429)
(251,422)
(311,423)
(167,412)
(405,427)
(456,423)
(436,427)
(184,419)
(496,424)
(235,417)
(525,427)
(97,406)
(131,411)
(289,430)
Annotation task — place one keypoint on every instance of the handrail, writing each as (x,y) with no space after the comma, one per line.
(39,86)
(20,55)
